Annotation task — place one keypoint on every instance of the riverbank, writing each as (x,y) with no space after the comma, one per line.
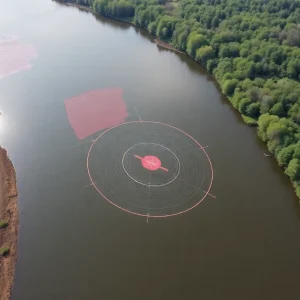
(10,220)
(167,46)
(253,89)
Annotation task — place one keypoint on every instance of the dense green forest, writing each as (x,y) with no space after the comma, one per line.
(252,47)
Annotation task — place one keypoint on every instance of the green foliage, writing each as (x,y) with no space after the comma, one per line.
(253,110)
(276,131)
(297,151)
(243,105)
(194,42)
(152,27)
(224,66)
(229,86)
(4,250)
(229,50)
(293,169)
(293,68)
(249,121)
(165,27)
(204,54)
(297,189)
(116,8)
(264,122)
(211,65)
(285,155)
(294,113)
(277,110)
(144,16)
(3,224)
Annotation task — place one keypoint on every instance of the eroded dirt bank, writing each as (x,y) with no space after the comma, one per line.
(9,220)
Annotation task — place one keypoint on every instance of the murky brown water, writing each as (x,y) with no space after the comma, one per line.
(73,244)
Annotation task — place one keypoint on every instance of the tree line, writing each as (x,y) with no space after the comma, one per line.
(250,46)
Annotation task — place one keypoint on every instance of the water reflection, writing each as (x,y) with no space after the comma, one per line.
(111,22)
(103,20)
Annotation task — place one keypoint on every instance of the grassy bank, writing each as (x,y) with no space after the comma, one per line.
(251,48)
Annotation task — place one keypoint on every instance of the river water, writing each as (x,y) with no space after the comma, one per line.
(242,242)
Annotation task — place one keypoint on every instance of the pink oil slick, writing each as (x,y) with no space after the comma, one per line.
(151,162)
(96,110)
(15,56)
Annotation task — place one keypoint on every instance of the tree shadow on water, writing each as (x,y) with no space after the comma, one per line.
(103,20)
(111,22)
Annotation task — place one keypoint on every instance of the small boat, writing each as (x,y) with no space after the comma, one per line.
(267,155)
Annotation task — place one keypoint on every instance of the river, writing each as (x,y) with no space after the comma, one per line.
(241,242)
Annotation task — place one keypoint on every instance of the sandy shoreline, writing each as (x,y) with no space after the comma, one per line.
(9,213)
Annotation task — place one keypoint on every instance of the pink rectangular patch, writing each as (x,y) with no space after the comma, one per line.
(95,110)
(15,56)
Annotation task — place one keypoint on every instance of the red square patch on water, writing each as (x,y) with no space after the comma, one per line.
(95,110)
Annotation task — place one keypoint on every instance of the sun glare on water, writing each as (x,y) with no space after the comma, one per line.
(1,123)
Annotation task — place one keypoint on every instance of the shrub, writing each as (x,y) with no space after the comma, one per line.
(293,169)
(3,224)
(4,250)
(248,120)
(229,86)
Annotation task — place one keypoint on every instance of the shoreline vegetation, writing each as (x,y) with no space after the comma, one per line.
(252,49)
(166,46)
(9,221)
(156,40)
